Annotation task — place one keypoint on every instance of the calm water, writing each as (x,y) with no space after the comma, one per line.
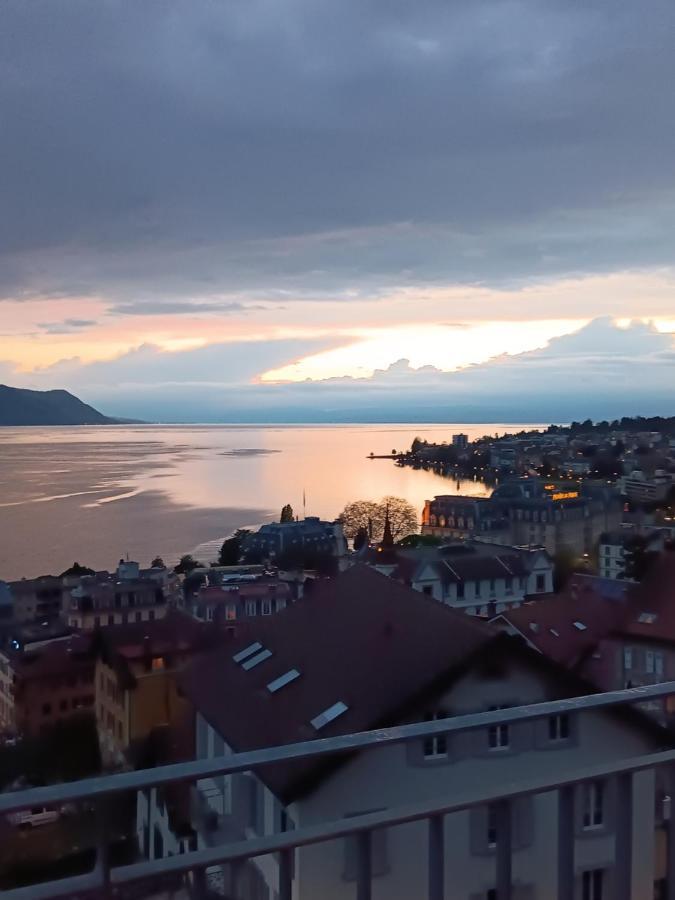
(94,494)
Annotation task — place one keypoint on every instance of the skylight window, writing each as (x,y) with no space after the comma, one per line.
(254,661)
(246,652)
(647,618)
(554,632)
(579,626)
(282,681)
(329,715)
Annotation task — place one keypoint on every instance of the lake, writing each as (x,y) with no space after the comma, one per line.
(94,494)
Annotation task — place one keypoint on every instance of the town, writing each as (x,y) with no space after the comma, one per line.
(478,638)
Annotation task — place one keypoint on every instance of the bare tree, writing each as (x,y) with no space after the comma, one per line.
(403,518)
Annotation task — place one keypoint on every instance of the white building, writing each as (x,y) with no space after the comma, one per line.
(476,577)
(355,659)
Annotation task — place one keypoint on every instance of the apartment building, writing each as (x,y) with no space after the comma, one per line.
(45,682)
(135,677)
(128,595)
(355,659)
(477,577)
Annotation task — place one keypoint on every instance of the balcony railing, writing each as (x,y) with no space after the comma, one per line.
(105,881)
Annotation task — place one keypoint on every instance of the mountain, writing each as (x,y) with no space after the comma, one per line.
(23,407)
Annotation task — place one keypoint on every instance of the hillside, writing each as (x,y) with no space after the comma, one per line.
(23,407)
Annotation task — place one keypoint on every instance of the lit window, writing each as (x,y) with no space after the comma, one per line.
(282,680)
(559,727)
(436,745)
(157,663)
(329,715)
(230,612)
(594,805)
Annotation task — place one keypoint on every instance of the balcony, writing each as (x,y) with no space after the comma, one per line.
(148,877)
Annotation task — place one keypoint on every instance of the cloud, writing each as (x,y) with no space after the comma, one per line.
(146,150)
(67,326)
(177,308)
(600,371)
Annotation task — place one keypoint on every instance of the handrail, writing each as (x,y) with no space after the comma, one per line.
(106,785)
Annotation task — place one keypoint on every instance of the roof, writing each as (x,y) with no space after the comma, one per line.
(60,657)
(353,642)
(652,608)
(565,627)
(177,632)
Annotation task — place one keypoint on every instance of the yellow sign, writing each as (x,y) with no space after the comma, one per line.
(569,495)
(549,487)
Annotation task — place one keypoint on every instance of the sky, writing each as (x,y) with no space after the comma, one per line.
(280,209)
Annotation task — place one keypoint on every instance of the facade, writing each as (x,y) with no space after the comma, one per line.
(128,595)
(460,441)
(297,683)
(559,516)
(136,669)
(229,599)
(641,488)
(309,534)
(45,683)
(476,577)
(616,545)
(38,598)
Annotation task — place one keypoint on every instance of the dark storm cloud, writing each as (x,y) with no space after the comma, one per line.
(201,146)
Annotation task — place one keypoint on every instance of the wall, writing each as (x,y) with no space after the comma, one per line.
(397,776)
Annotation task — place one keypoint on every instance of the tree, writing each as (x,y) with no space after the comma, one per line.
(361,538)
(157,563)
(287,513)
(232,549)
(359,514)
(186,564)
(77,570)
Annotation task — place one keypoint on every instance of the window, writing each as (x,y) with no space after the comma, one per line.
(460,590)
(498,735)
(111,619)
(254,661)
(592,882)
(266,607)
(594,796)
(158,663)
(541,584)
(436,745)
(627,657)
(283,680)
(428,589)
(251,608)
(658,663)
(328,715)
(559,727)
(246,652)
(230,612)
(151,615)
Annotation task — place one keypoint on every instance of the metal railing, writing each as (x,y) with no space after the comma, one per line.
(104,878)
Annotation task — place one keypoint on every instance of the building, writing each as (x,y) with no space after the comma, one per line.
(641,488)
(616,548)
(460,441)
(130,594)
(476,577)
(354,660)
(310,534)
(38,598)
(136,669)
(237,598)
(560,516)
(45,681)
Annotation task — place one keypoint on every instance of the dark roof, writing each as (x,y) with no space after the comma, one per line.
(549,624)
(652,611)
(58,657)
(362,639)
(174,633)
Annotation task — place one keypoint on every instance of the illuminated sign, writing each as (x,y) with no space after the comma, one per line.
(549,487)
(569,495)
